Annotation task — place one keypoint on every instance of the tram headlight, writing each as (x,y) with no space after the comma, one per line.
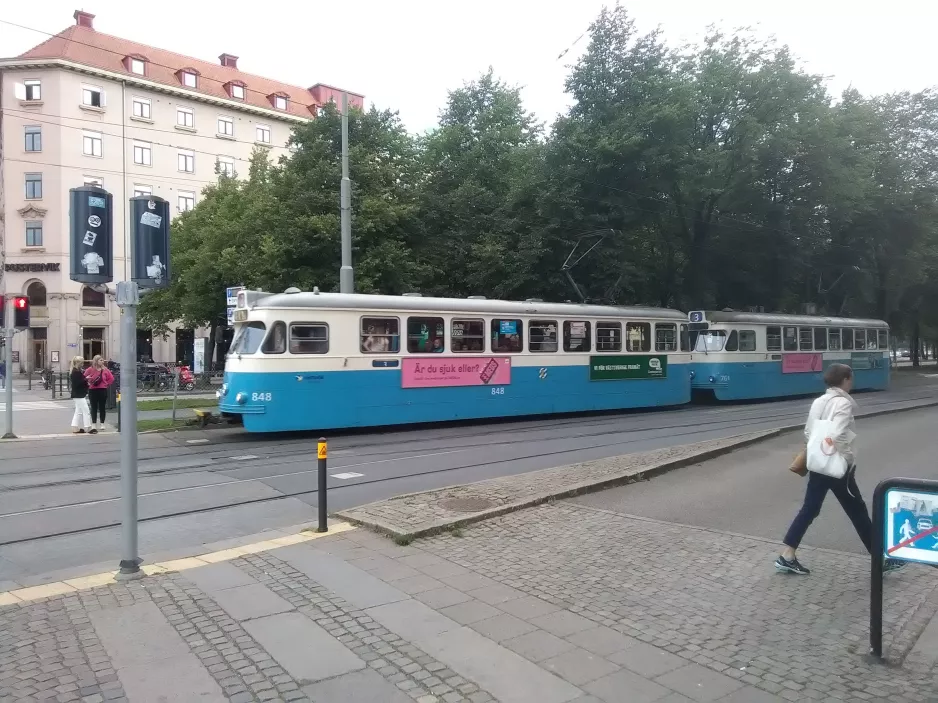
(712,379)
(693,375)
(223,391)
(241,398)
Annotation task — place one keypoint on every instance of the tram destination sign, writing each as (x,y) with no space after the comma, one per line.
(911,525)
(628,368)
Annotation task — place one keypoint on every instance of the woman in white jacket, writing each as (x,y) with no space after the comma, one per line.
(838,406)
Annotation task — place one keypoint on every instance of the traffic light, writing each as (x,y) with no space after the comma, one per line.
(21,312)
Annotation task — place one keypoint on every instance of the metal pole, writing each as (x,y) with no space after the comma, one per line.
(346,274)
(8,368)
(323,454)
(128,298)
(175,391)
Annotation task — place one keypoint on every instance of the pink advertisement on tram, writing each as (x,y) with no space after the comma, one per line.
(429,372)
(802,363)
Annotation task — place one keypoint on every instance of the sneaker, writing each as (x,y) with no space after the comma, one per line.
(92,431)
(791,567)
(890,565)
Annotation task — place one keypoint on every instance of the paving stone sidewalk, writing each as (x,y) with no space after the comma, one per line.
(552,604)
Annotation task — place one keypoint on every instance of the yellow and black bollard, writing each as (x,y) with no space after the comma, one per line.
(322,454)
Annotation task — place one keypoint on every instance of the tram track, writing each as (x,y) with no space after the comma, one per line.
(752,422)
(211,455)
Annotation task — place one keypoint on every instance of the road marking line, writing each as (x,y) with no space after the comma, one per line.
(243,458)
(24,595)
(196,441)
(346,476)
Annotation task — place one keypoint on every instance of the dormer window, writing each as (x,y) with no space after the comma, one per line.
(280,102)
(137,66)
(189,79)
(236,90)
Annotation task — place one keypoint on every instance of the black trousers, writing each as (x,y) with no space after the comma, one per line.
(97,398)
(846,491)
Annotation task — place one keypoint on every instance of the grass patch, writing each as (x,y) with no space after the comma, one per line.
(167,403)
(162,424)
(403,540)
(456,531)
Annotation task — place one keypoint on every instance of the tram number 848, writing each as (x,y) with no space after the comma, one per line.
(256,397)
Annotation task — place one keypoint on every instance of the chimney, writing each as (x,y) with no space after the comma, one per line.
(229,60)
(84,19)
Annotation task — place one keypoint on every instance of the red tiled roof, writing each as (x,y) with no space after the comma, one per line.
(85,46)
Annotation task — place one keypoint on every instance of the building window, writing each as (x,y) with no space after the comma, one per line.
(190,79)
(91,298)
(33,90)
(142,191)
(186,201)
(36,292)
(92,96)
(33,186)
(226,126)
(142,108)
(225,166)
(91,144)
(237,91)
(33,138)
(93,181)
(186,161)
(184,117)
(33,234)
(262,133)
(143,154)
(137,66)
(280,102)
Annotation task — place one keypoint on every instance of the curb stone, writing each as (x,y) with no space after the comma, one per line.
(358,516)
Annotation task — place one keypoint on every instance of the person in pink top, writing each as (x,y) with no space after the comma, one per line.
(99,379)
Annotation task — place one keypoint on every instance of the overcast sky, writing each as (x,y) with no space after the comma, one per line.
(406,54)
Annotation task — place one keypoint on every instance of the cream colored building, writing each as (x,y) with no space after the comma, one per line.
(86,107)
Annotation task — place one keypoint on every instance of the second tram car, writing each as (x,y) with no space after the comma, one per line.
(744,356)
(317,361)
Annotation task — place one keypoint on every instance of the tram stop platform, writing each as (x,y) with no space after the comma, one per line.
(661,589)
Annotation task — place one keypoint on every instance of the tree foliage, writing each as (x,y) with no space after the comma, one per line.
(715,175)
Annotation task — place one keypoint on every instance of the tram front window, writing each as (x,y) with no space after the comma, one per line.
(249,338)
(711,341)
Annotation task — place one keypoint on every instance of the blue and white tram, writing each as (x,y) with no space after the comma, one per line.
(742,355)
(317,361)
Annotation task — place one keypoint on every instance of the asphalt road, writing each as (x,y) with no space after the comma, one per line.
(60,507)
(751,492)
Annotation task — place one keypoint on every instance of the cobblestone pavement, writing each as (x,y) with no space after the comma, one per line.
(555,604)
(416,513)
(707,597)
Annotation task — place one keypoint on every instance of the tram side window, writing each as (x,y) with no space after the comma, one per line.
(380,335)
(665,337)
(608,336)
(542,336)
(833,339)
(309,338)
(820,339)
(791,339)
(507,336)
(249,338)
(871,342)
(576,336)
(425,335)
(747,340)
(805,338)
(847,341)
(884,339)
(685,339)
(276,342)
(638,335)
(773,339)
(468,336)
(859,340)
(732,342)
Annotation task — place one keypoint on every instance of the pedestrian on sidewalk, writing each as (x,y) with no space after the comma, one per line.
(838,406)
(99,380)
(81,420)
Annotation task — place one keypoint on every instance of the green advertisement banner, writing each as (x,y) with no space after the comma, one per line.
(619,368)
